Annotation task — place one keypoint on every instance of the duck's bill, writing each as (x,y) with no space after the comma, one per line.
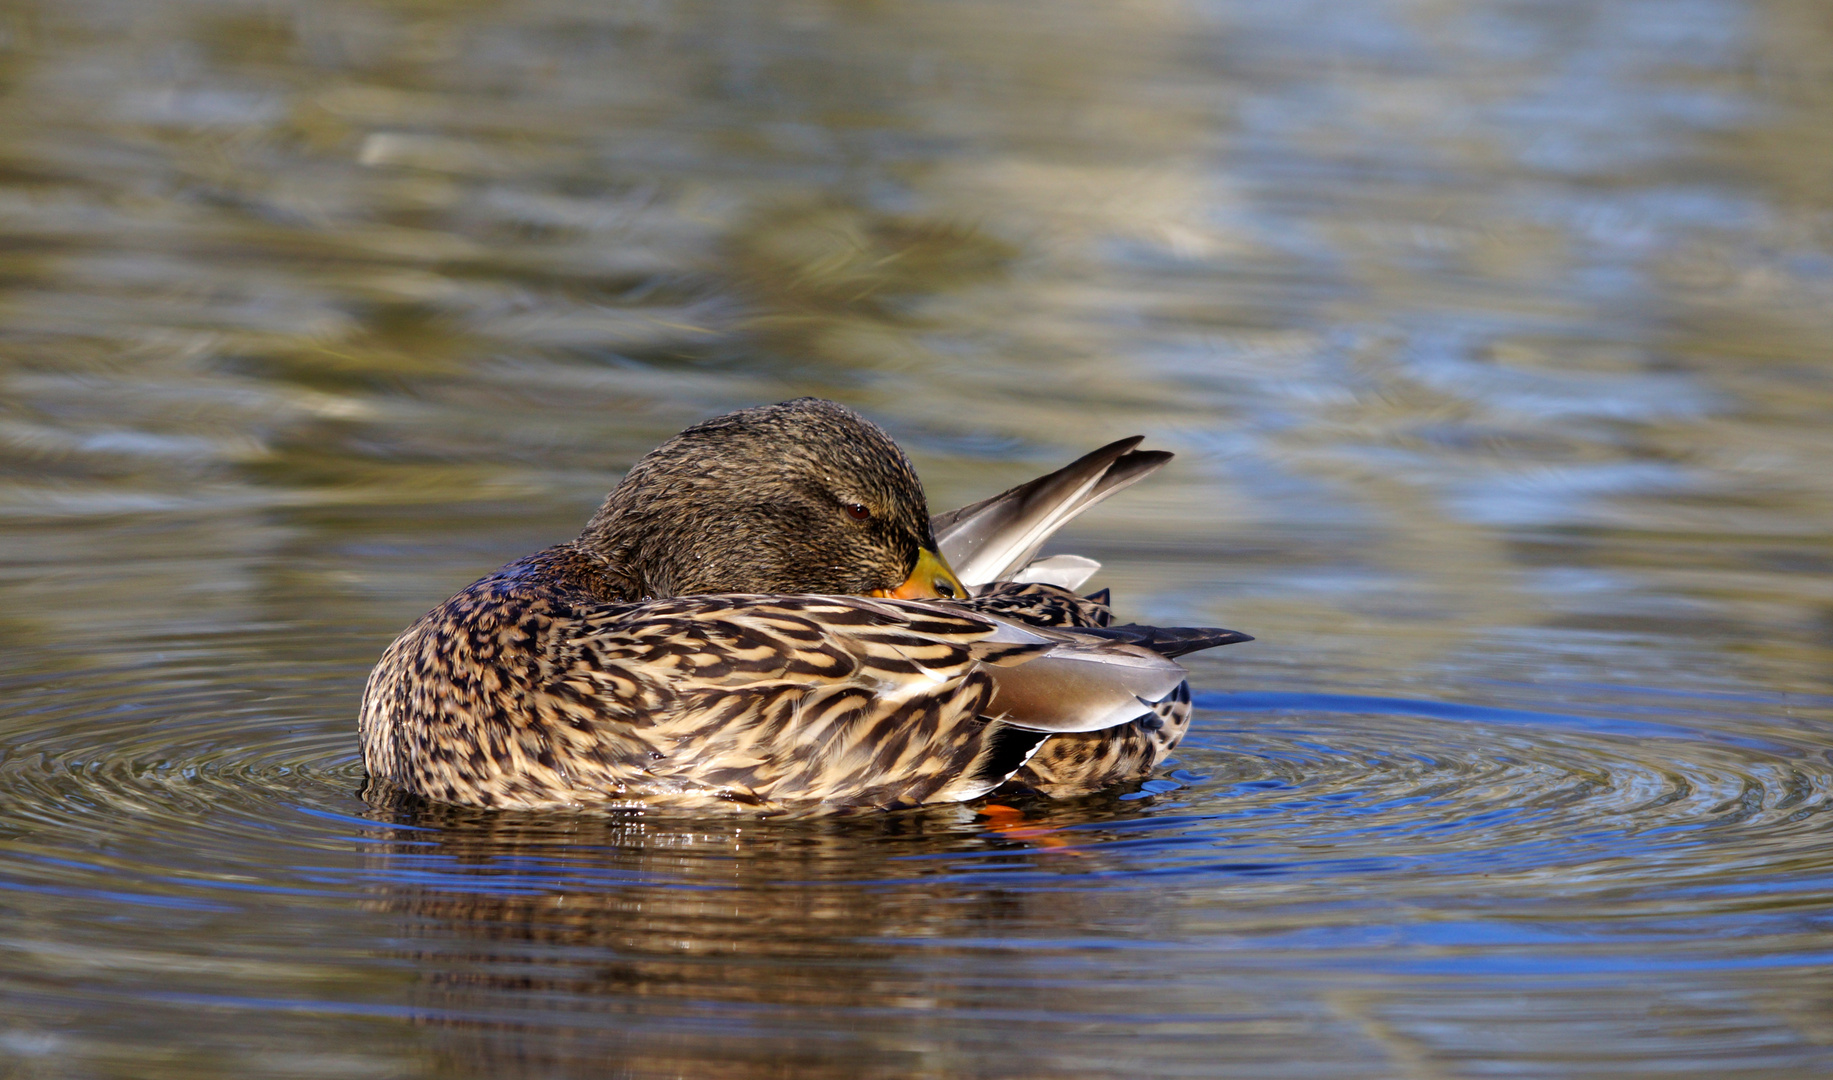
(930,580)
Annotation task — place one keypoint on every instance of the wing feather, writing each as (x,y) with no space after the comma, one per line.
(885,696)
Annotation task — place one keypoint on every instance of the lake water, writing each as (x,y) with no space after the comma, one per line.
(1495,340)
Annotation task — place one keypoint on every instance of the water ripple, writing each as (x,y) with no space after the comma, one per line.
(179,788)
(1346,835)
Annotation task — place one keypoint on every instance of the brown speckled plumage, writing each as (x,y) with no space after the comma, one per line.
(701,645)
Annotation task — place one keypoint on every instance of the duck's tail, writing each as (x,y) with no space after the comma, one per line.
(994,539)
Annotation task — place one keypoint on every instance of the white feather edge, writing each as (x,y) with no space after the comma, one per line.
(1063,571)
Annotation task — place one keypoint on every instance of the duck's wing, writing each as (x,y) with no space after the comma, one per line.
(1039,605)
(996,538)
(839,700)
(1079,763)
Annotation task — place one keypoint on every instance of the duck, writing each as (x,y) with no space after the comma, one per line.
(763,616)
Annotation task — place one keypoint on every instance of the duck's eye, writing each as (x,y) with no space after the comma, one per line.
(857,511)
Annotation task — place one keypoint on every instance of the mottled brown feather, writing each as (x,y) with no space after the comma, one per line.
(526,690)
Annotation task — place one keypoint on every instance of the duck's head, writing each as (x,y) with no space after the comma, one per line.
(802,497)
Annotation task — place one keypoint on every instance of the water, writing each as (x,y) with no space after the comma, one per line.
(1492,338)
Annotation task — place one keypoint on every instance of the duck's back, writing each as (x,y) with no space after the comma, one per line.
(466,706)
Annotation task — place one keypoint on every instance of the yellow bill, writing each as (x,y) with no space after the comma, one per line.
(930,580)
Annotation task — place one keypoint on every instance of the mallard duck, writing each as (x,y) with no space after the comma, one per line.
(763,615)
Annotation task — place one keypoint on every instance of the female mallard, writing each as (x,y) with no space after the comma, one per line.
(763,614)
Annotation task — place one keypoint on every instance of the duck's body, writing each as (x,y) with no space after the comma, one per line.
(698,646)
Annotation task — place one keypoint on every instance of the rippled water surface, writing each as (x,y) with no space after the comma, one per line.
(1495,340)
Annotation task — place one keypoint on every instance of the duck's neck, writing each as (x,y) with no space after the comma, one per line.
(576,568)
(624,555)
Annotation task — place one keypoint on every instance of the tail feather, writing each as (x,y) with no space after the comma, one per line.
(992,539)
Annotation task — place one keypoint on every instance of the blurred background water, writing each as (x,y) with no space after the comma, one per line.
(1493,338)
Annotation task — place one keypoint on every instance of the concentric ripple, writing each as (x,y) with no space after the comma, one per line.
(160,778)
(207,852)
(187,782)
(1457,789)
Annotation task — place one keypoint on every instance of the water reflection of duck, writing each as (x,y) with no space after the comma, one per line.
(763,615)
(537,943)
